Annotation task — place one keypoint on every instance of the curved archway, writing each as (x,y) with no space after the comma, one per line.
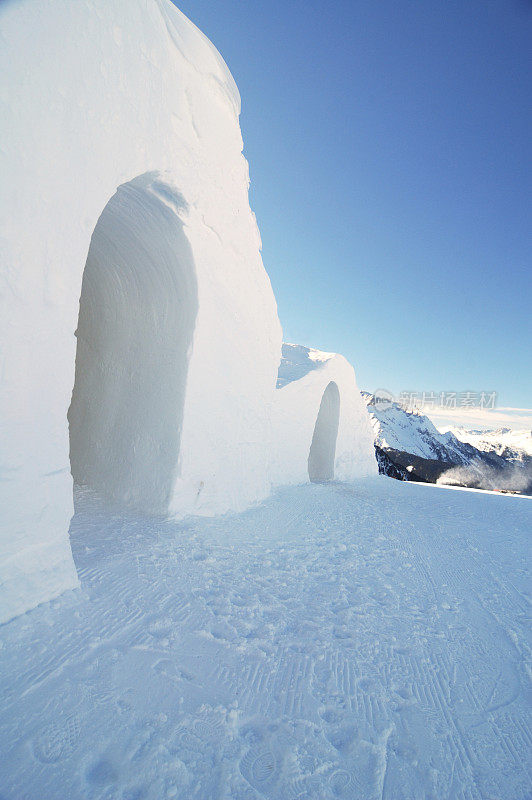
(137,315)
(323,447)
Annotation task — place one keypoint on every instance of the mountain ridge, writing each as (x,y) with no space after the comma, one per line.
(408,446)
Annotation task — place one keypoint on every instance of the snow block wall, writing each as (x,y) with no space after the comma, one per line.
(124,185)
(139,334)
(321,428)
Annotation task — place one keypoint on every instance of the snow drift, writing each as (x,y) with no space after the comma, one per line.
(125,218)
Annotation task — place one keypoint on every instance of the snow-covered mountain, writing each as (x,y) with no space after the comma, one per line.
(408,446)
(396,428)
(512,445)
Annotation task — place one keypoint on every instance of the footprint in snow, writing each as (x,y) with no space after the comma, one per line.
(261,769)
(57,741)
(342,738)
(171,671)
(330,716)
(160,628)
(342,783)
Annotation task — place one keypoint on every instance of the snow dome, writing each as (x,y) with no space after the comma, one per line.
(139,333)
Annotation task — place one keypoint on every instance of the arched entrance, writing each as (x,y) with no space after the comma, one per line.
(137,314)
(323,447)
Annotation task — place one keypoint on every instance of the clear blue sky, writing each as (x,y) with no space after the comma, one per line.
(389,150)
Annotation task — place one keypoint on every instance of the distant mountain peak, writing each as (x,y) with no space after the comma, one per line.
(410,447)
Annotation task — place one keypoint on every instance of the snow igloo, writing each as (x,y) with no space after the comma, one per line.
(140,341)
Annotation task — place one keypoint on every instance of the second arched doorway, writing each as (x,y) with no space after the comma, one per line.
(323,446)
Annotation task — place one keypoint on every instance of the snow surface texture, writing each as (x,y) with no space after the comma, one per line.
(318,403)
(366,641)
(125,145)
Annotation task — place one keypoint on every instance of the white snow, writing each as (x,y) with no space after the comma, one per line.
(298,360)
(353,641)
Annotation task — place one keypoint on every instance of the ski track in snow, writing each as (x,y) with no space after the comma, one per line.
(364,641)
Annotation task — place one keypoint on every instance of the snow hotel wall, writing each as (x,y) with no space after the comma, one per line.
(321,428)
(98,95)
(134,306)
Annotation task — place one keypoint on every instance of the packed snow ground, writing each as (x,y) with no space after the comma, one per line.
(338,641)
